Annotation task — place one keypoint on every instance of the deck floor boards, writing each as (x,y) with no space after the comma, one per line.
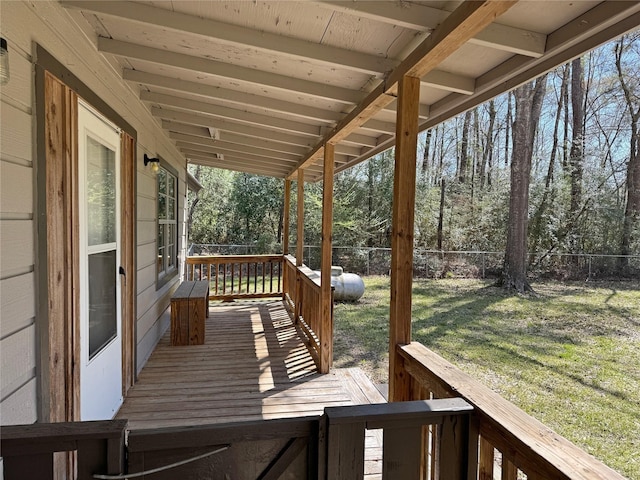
(252,366)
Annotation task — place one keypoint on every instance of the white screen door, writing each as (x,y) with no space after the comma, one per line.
(100,320)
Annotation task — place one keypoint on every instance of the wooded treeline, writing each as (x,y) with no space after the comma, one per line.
(561,154)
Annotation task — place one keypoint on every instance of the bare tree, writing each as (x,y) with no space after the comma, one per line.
(632,209)
(528,105)
(464,148)
(576,159)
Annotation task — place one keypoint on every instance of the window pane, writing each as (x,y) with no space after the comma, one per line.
(161,236)
(171,183)
(101,193)
(170,257)
(160,260)
(102,300)
(162,206)
(171,211)
(162,181)
(171,240)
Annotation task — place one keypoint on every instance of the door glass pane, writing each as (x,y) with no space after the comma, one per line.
(162,206)
(102,300)
(171,184)
(101,193)
(162,182)
(171,214)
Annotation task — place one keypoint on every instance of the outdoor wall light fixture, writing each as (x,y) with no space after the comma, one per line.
(155,163)
(4,62)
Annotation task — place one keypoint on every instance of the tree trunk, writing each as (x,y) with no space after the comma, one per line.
(425,155)
(464,148)
(528,101)
(632,208)
(536,222)
(487,154)
(441,214)
(577,140)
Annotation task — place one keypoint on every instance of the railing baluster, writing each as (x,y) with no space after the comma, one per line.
(486,460)
(264,270)
(224,278)
(217,265)
(509,470)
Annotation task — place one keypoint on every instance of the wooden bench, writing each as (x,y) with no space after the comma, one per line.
(189,307)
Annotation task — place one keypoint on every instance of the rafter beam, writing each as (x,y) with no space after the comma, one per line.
(231,126)
(244,164)
(602,23)
(465,22)
(423,18)
(190,140)
(232,96)
(225,70)
(449,82)
(180,131)
(238,166)
(233,150)
(231,113)
(236,35)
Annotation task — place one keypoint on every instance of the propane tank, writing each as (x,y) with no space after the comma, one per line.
(347,286)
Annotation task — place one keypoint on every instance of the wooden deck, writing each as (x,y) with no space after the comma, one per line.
(252,366)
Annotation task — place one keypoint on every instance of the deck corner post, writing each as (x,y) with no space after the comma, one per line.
(300,220)
(285,216)
(326,324)
(404,192)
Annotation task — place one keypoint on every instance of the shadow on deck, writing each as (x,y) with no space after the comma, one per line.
(253,366)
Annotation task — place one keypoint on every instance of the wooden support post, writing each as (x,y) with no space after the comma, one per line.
(285,217)
(451,460)
(326,325)
(300,220)
(404,192)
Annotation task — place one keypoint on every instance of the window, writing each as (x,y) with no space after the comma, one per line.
(167,225)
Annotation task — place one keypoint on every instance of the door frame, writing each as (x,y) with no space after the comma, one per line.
(57,238)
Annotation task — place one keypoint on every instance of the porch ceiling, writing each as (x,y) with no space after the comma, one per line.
(261,86)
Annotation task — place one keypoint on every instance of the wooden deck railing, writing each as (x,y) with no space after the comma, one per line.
(403,425)
(28,450)
(527,447)
(238,276)
(331,447)
(302,297)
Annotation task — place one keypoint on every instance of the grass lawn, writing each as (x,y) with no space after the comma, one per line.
(570,357)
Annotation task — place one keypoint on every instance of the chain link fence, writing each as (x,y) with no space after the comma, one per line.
(455,264)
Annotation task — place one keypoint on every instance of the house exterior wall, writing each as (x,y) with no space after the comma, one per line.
(23,24)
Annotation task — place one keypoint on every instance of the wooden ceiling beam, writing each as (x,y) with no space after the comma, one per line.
(183,140)
(423,18)
(232,96)
(236,35)
(232,113)
(461,25)
(204,120)
(180,131)
(239,166)
(603,22)
(234,149)
(241,160)
(225,70)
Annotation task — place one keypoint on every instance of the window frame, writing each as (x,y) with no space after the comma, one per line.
(169,271)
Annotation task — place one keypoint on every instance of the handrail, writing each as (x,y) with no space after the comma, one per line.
(302,296)
(404,425)
(525,443)
(28,450)
(238,276)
